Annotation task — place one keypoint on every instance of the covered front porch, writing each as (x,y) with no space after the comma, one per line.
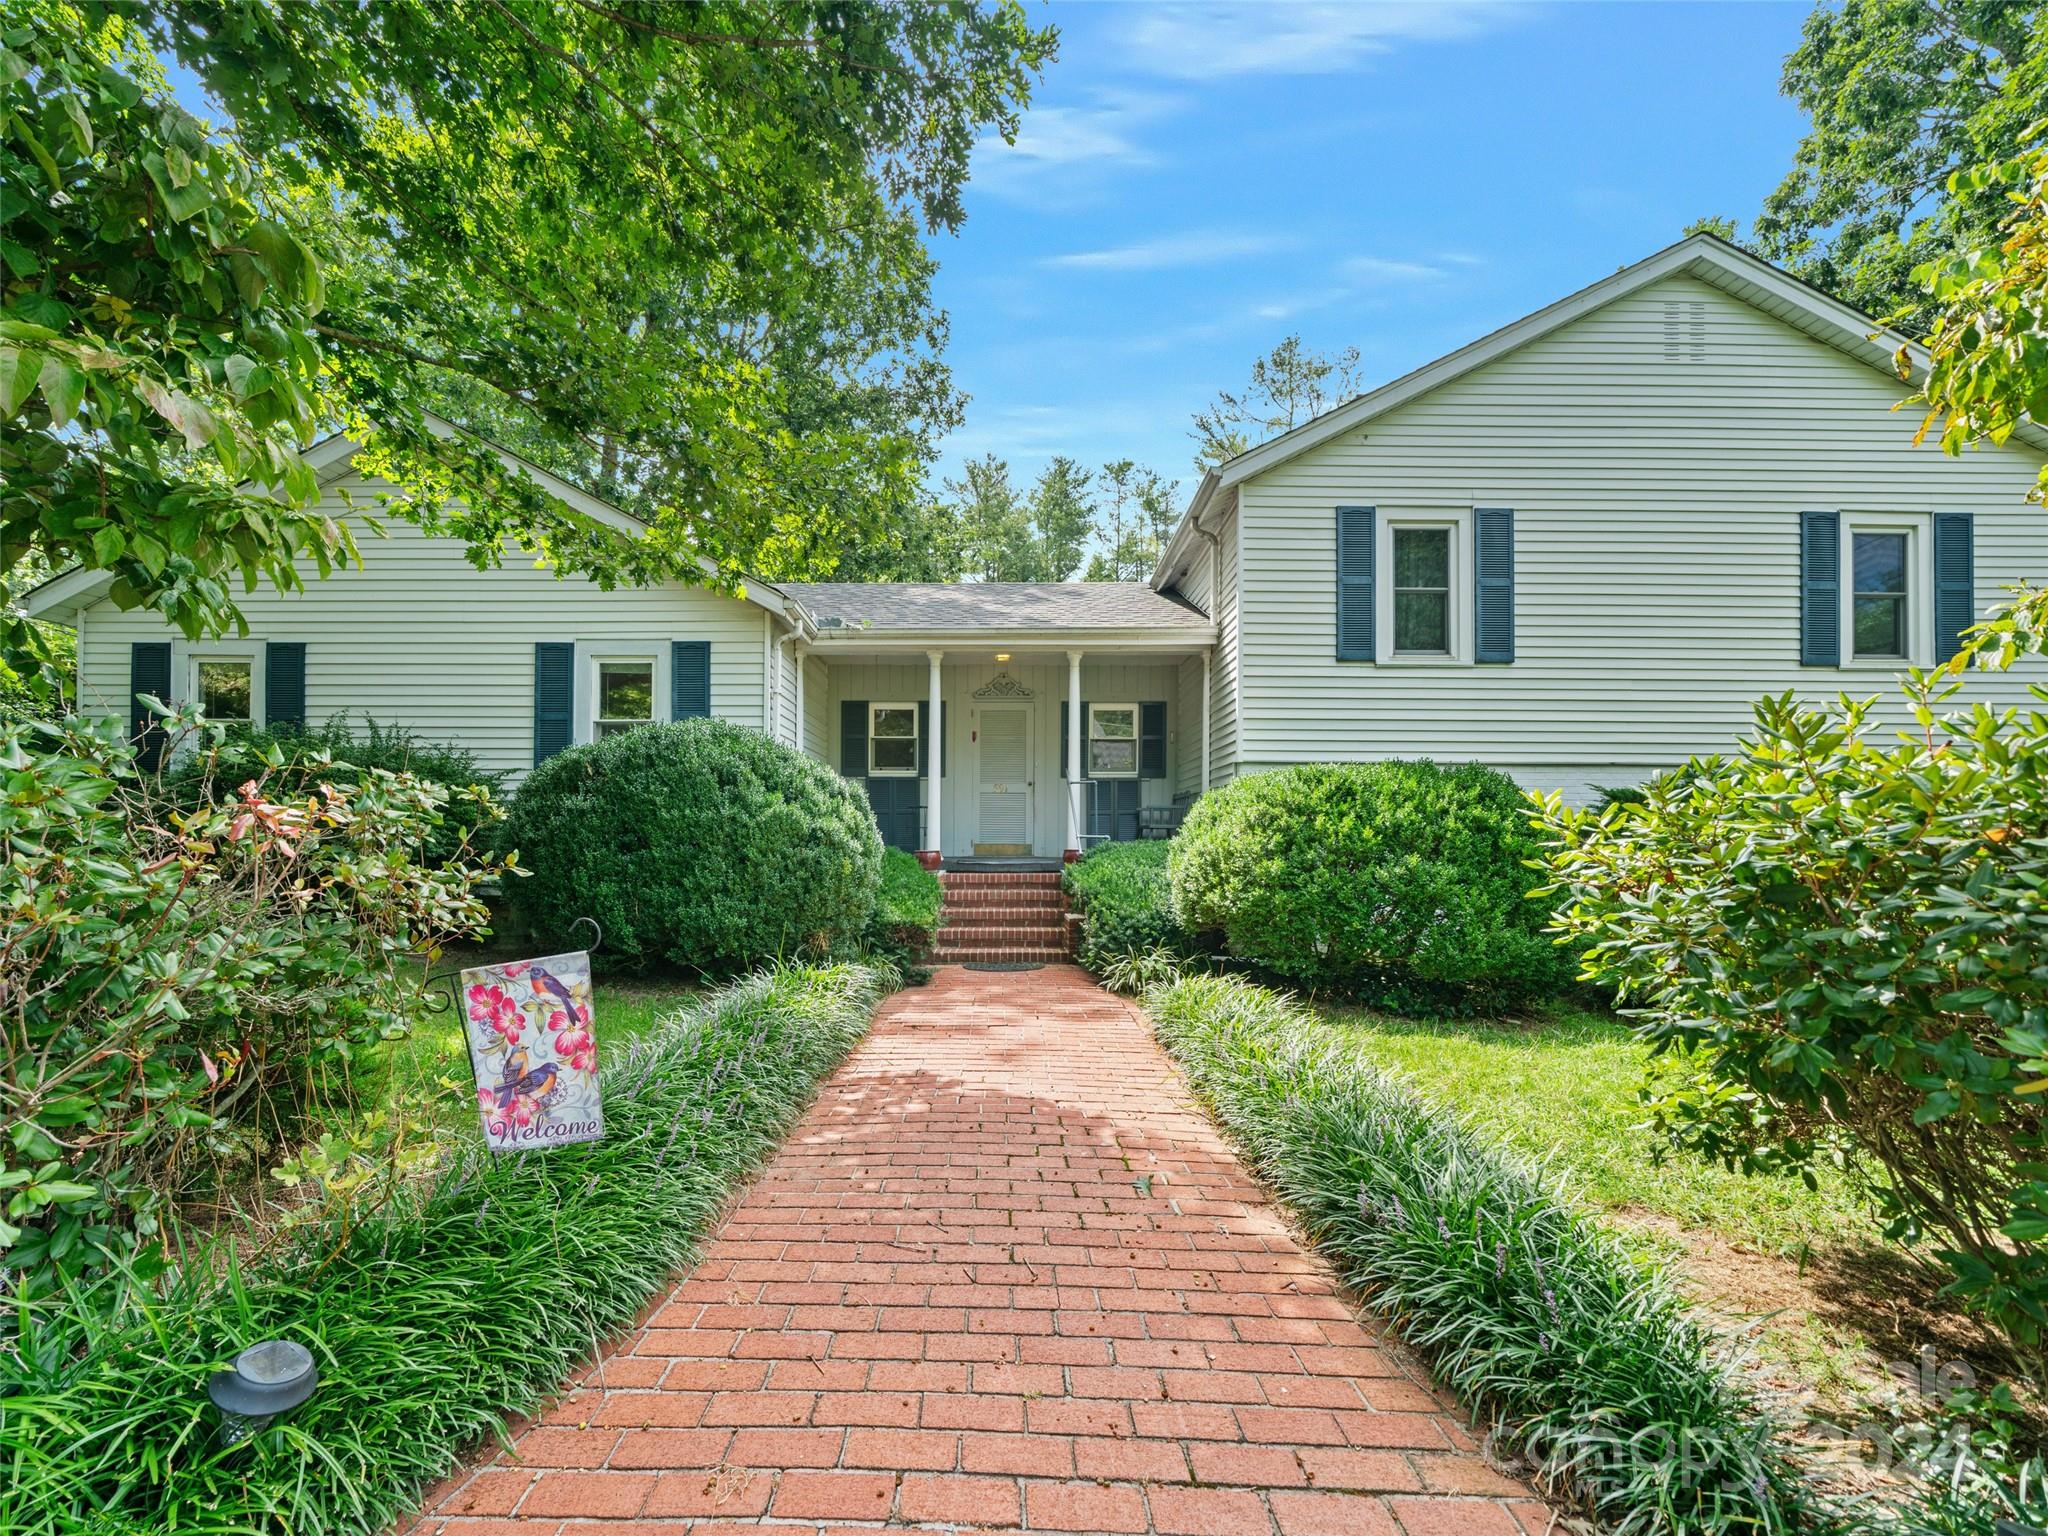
(1006,720)
(1015,752)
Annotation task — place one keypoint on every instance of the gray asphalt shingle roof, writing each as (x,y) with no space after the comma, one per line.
(992,605)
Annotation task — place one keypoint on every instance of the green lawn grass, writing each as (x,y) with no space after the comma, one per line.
(416,1064)
(1565,1088)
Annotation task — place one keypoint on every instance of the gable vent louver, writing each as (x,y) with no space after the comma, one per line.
(1685,331)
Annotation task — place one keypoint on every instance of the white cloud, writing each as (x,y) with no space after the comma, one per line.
(1311,37)
(1059,150)
(1357,277)
(1197,248)
(1380,271)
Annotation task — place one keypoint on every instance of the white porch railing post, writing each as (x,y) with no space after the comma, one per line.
(934,758)
(1074,725)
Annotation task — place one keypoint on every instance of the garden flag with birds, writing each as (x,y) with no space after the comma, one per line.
(530,1042)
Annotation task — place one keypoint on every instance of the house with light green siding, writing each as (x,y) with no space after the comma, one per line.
(1576,549)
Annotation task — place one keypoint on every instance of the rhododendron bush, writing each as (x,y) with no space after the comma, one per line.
(182,989)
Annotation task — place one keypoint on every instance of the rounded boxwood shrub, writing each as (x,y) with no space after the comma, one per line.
(700,844)
(1126,904)
(1403,882)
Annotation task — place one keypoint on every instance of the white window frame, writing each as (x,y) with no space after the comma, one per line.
(1137,742)
(1458,630)
(248,655)
(591,656)
(1918,528)
(917,767)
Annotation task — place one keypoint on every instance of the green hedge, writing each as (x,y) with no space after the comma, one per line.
(701,844)
(1125,900)
(431,1323)
(1583,1354)
(1403,883)
(906,921)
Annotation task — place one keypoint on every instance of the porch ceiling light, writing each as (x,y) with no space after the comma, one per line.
(1002,655)
(266,1380)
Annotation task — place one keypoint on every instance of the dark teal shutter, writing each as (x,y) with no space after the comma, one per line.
(1955,582)
(1820,589)
(554,698)
(149,672)
(1494,603)
(284,685)
(1152,741)
(1355,626)
(689,679)
(853,738)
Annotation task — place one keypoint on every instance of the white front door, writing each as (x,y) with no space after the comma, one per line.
(1002,777)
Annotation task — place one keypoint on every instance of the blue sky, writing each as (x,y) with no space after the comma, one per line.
(1192,183)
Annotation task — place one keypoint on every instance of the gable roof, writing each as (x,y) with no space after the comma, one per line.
(971,607)
(1709,258)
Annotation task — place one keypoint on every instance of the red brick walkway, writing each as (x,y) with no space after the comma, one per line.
(1005,1274)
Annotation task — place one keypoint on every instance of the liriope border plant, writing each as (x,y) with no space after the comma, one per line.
(1580,1353)
(468,1301)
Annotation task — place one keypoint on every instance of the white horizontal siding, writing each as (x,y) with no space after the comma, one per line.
(821,727)
(1227,675)
(1657,507)
(420,638)
(1187,775)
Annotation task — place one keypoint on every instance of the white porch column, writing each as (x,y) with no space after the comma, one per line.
(1205,724)
(1074,727)
(797,654)
(935,758)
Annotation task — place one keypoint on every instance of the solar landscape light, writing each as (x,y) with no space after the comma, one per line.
(267,1379)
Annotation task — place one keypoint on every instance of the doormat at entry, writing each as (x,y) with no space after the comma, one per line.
(1004,965)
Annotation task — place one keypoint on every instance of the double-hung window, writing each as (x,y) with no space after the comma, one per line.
(1881,566)
(1422,580)
(892,739)
(625,694)
(1113,741)
(1422,591)
(1887,589)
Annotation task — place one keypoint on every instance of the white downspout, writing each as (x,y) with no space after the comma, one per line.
(797,653)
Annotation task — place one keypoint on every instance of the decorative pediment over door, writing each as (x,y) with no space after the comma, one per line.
(1003,686)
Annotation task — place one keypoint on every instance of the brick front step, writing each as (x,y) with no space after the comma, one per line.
(1030,935)
(1004,916)
(998,916)
(997,895)
(996,956)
